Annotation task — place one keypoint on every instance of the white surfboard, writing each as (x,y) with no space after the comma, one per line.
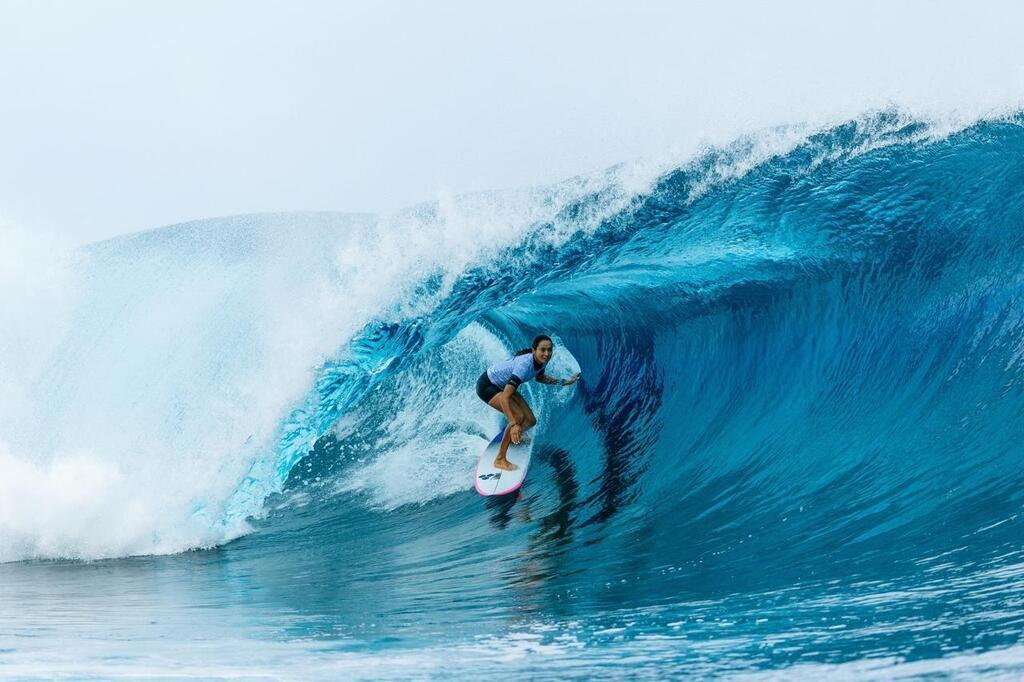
(491,480)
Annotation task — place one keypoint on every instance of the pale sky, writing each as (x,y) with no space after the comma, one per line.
(123,116)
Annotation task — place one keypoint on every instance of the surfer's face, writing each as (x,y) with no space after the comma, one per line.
(542,353)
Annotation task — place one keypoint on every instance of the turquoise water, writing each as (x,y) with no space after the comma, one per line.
(244,446)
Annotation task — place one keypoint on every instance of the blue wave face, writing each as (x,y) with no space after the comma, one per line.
(795,443)
(806,375)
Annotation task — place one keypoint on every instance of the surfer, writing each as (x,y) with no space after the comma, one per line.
(497,387)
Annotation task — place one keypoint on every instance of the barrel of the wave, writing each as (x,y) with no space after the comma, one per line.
(490,480)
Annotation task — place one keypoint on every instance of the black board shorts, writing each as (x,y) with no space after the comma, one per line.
(485,389)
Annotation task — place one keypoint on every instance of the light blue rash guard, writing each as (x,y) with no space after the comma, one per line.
(513,371)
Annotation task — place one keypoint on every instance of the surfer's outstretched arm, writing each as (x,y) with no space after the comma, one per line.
(554,381)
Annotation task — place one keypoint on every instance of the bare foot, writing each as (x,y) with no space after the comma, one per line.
(504,464)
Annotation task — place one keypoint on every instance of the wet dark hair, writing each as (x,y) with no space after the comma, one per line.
(536,342)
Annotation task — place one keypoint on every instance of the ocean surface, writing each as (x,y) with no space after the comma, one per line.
(242,447)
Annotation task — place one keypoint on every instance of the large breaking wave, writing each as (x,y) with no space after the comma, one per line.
(802,358)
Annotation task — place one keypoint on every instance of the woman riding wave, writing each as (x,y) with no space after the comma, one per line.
(498,388)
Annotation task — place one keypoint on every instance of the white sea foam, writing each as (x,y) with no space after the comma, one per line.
(82,504)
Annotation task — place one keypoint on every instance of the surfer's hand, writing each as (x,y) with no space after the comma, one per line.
(571,380)
(515,433)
